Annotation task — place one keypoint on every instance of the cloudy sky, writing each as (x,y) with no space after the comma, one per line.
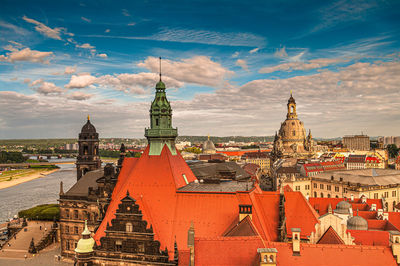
(229,66)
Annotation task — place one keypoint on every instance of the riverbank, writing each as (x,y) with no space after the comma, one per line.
(20,178)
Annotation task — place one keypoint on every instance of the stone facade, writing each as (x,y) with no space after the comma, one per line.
(357,142)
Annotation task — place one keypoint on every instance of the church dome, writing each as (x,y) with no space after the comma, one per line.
(343,207)
(357,223)
(208,146)
(292,129)
(86,243)
(88,127)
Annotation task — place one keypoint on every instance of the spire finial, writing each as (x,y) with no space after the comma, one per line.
(208,136)
(160,68)
(88,117)
(290,92)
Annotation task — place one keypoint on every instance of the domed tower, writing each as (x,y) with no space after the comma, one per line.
(208,147)
(291,138)
(88,157)
(161,132)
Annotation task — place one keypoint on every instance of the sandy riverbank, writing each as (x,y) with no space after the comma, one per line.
(17,181)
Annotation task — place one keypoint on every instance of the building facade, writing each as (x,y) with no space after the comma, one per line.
(357,142)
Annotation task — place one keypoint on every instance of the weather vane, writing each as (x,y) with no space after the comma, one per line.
(160,68)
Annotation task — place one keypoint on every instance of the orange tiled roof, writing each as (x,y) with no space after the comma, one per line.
(330,237)
(321,204)
(370,237)
(299,214)
(153,181)
(243,251)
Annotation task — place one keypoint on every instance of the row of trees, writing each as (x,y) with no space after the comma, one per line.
(393,150)
(11,157)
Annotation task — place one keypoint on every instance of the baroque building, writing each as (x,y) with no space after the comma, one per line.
(88,155)
(291,140)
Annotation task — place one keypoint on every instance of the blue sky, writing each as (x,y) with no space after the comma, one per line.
(229,66)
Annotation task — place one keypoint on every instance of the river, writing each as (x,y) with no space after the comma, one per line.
(38,191)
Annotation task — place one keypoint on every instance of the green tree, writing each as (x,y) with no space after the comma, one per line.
(393,150)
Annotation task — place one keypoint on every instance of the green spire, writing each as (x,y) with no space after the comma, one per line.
(161,132)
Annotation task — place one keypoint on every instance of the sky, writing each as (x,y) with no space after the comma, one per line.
(229,66)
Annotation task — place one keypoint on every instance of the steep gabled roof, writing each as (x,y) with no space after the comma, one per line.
(299,214)
(330,237)
(244,228)
(370,237)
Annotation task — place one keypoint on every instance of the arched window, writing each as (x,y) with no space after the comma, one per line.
(85,150)
(292,109)
(271,258)
(337,196)
(329,195)
(322,195)
(386,205)
(294,133)
(296,237)
(129,227)
(315,194)
(394,204)
(265,258)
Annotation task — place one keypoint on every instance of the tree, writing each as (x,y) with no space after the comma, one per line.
(393,150)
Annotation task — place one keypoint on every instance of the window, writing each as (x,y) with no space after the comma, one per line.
(321,186)
(315,185)
(141,248)
(66,213)
(129,227)
(394,204)
(322,195)
(337,196)
(294,133)
(76,214)
(386,194)
(67,245)
(328,187)
(315,194)
(67,229)
(157,122)
(307,187)
(336,189)
(297,188)
(394,193)
(76,230)
(118,245)
(375,195)
(329,195)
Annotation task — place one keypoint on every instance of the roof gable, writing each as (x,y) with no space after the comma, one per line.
(330,237)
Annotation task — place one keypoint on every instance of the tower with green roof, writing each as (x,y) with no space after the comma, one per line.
(161,131)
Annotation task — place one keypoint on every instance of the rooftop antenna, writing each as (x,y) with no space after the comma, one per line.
(160,68)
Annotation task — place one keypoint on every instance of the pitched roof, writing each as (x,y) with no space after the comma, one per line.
(244,228)
(370,237)
(330,237)
(154,182)
(80,188)
(227,250)
(321,204)
(299,214)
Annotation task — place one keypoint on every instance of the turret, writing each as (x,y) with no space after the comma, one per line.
(84,248)
(161,132)
(291,105)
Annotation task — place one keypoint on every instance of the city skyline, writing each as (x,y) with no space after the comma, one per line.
(228,67)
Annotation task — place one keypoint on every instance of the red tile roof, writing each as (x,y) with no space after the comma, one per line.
(321,204)
(370,237)
(227,251)
(330,237)
(243,251)
(251,168)
(394,218)
(153,182)
(383,225)
(244,228)
(299,214)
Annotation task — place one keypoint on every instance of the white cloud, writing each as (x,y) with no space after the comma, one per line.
(45,30)
(197,70)
(70,70)
(86,19)
(80,81)
(311,64)
(85,46)
(254,50)
(281,52)
(26,55)
(242,63)
(125,12)
(102,55)
(235,54)
(45,88)
(79,96)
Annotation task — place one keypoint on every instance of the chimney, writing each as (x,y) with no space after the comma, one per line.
(351,197)
(373,207)
(385,216)
(363,199)
(190,243)
(245,210)
(296,241)
(267,256)
(380,214)
(395,244)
